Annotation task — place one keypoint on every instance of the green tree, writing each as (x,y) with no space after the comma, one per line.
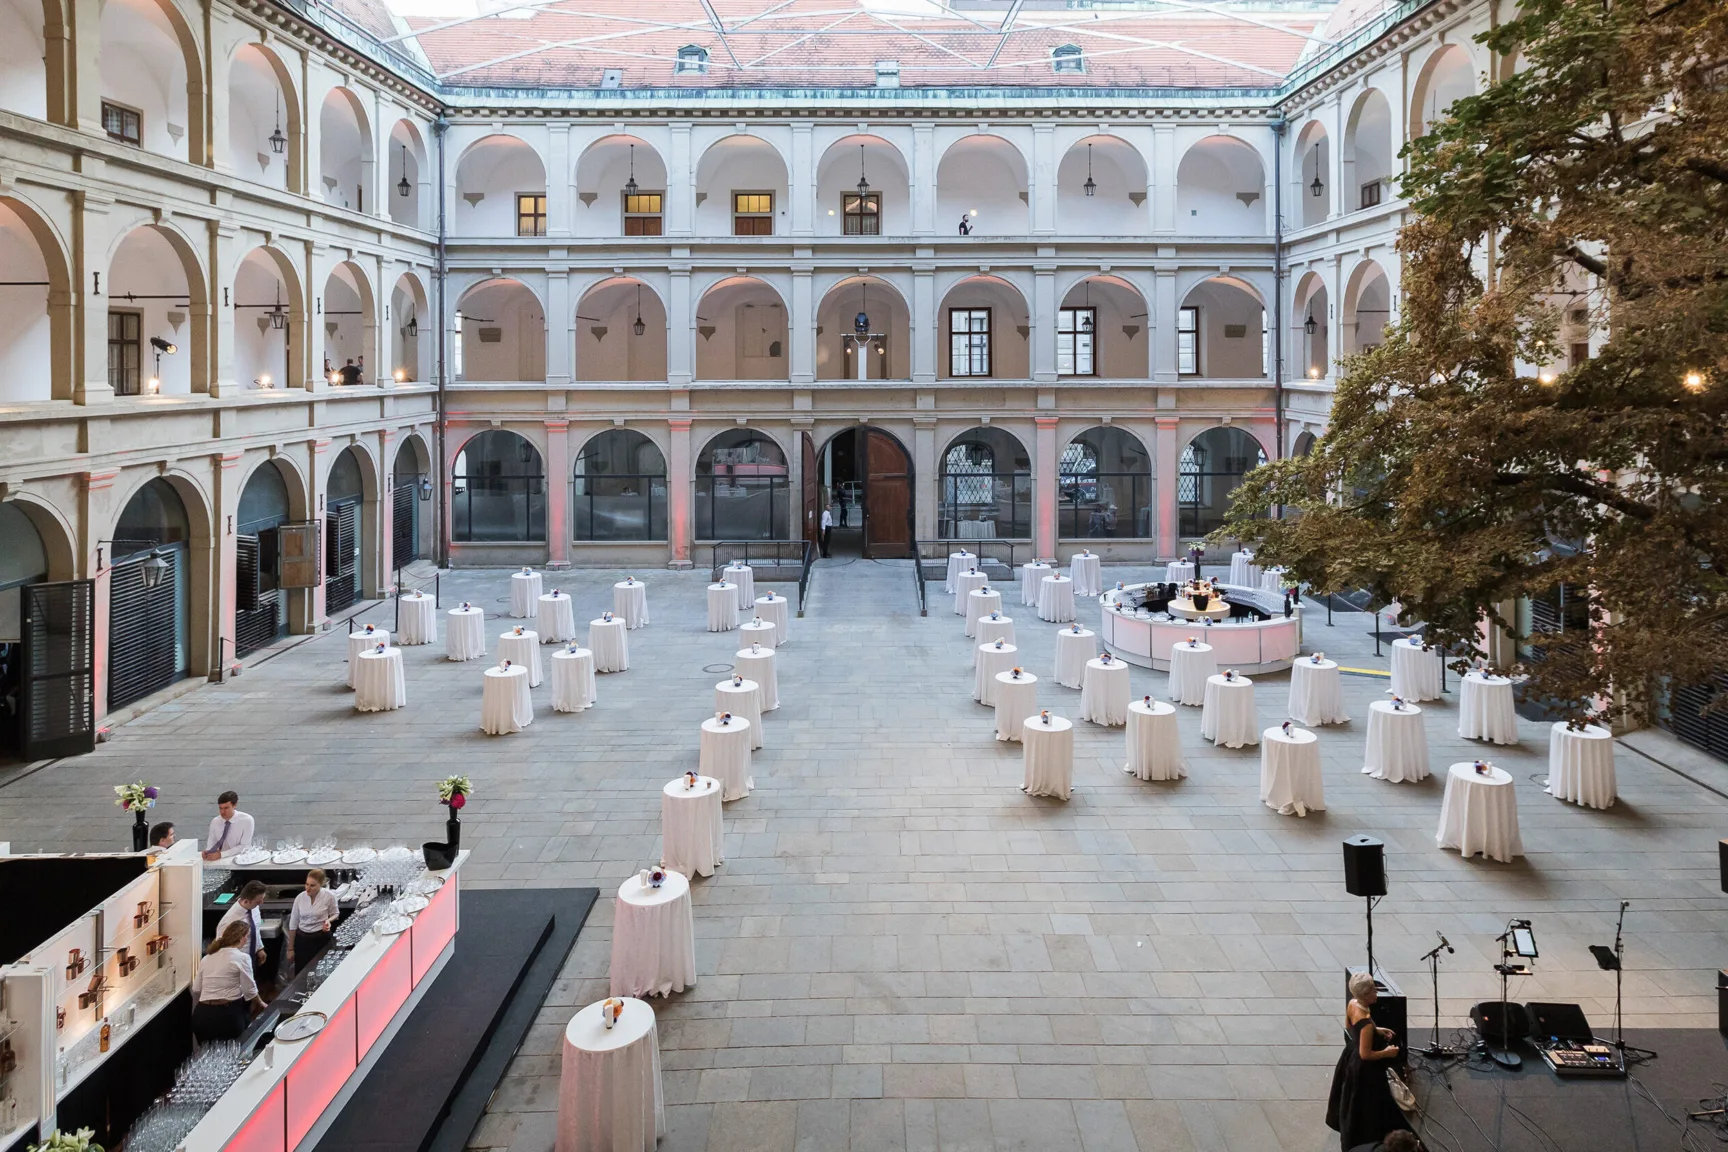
(1465,468)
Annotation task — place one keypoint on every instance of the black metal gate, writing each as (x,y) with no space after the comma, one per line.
(59,688)
(405,525)
(1686,718)
(143,630)
(257,602)
(341,557)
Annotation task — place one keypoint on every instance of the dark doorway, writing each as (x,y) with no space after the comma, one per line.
(866,484)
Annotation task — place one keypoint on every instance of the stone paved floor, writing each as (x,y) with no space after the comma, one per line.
(903,951)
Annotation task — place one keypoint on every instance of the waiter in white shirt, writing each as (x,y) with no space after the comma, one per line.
(224,991)
(230,831)
(246,909)
(827,529)
(310,921)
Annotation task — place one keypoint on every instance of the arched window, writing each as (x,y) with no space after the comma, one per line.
(692,61)
(741,488)
(986,487)
(1105,486)
(619,490)
(1067,58)
(1212,467)
(498,490)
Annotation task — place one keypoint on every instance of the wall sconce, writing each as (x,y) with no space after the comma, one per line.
(153,569)
(425,488)
(1313,373)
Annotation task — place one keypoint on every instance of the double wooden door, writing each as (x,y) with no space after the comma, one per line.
(887,511)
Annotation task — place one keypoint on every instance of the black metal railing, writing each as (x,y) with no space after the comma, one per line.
(775,560)
(996,560)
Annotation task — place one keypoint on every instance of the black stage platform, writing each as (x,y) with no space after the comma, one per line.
(1532,1110)
(428,1089)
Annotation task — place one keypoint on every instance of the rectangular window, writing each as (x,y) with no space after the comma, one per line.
(125,354)
(1188,341)
(642,214)
(1371,194)
(1074,341)
(123,124)
(969,341)
(530,213)
(1579,353)
(863,214)
(752,213)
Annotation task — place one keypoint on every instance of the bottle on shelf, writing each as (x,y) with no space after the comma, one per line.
(107,1034)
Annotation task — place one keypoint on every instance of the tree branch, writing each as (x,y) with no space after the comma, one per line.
(1575,485)
(1706,167)
(1587,262)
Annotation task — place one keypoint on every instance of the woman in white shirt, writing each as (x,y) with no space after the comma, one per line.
(223,989)
(310,921)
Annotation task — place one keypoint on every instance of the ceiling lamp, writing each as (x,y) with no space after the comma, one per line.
(1091,185)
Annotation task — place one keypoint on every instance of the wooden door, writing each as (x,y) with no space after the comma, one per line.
(887,497)
(812,488)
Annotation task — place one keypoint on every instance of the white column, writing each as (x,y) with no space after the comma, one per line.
(801,183)
(90,297)
(560,329)
(801,328)
(1043,182)
(680,184)
(680,330)
(1163,179)
(926,335)
(923,181)
(558,182)
(1343,199)
(1043,321)
(1163,315)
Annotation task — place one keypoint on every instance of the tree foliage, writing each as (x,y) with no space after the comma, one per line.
(1465,468)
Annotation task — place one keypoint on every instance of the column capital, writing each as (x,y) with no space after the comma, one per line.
(679,423)
(1046,421)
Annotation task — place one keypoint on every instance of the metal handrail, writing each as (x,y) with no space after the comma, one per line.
(942,545)
(722,552)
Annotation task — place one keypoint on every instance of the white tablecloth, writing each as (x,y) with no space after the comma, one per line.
(1032,574)
(1243,571)
(1397,743)
(1104,695)
(1047,746)
(610,643)
(1290,779)
(758,664)
(524,594)
(722,606)
(1087,572)
(691,833)
(1272,580)
(981,602)
(1154,742)
(993,628)
(465,636)
(1581,765)
(523,648)
(976,530)
(362,641)
(1486,709)
(1480,814)
(505,706)
(1016,699)
(774,609)
(1056,599)
(1190,665)
(557,618)
(988,660)
(1227,713)
(573,682)
(745,577)
(741,697)
(630,600)
(1178,572)
(378,685)
(725,756)
(964,585)
(759,631)
(958,562)
(1316,692)
(1073,649)
(653,938)
(416,619)
(609,1097)
(1415,673)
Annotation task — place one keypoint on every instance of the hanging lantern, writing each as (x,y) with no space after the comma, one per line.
(413,328)
(1317,188)
(863,184)
(278,318)
(639,327)
(278,142)
(1308,325)
(402,185)
(1091,185)
(153,569)
(630,185)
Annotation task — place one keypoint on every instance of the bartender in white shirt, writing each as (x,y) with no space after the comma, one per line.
(224,990)
(245,910)
(230,831)
(310,921)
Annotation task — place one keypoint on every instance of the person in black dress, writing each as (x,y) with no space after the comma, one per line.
(1361,1109)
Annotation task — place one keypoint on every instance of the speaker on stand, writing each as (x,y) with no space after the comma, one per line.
(1365,876)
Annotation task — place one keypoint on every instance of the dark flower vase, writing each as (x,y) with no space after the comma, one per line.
(140,831)
(453,831)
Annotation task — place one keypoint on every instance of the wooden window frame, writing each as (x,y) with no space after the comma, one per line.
(1190,331)
(1073,335)
(967,335)
(848,217)
(537,213)
(739,216)
(136,345)
(124,110)
(1371,195)
(644,223)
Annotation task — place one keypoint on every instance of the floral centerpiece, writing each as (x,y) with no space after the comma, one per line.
(137,799)
(453,793)
(58,1141)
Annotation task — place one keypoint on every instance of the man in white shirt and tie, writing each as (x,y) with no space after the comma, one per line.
(230,831)
(246,908)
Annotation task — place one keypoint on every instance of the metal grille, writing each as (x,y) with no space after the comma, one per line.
(143,624)
(341,535)
(1687,720)
(59,697)
(257,612)
(404,525)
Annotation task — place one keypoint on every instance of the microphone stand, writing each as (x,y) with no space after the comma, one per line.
(1503,1055)
(1613,960)
(1435,1050)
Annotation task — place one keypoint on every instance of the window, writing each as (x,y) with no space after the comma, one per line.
(741,488)
(619,490)
(1578,353)
(1074,335)
(124,352)
(1104,486)
(1067,58)
(986,488)
(1188,341)
(530,213)
(123,124)
(1371,194)
(862,214)
(642,213)
(752,213)
(969,341)
(692,61)
(498,490)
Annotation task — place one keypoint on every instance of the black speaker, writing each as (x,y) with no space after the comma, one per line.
(1722,1001)
(1722,859)
(1486,1017)
(1364,866)
(1391,1009)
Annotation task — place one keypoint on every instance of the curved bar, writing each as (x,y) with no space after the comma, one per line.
(1251,647)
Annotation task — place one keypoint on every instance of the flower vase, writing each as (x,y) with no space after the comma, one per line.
(140,831)
(453,831)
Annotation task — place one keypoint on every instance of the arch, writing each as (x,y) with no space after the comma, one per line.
(267,293)
(23,58)
(150,65)
(1305,442)
(1104,486)
(413,460)
(345,152)
(490,174)
(1101,330)
(499,334)
(498,490)
(150,629)
(887,351)
(607,204)
(1116,204)
(985,486)
(885,210)
(1367,307)
(23,559)
(741,163)
(741,325)
(1221,189)
(983,178)
(1229,337)
(267,501)
(410,481)
(156,292)
(352,518)
(408,180)
(348,324)
(35,310)
(1368,157)
(1446,75)
(262,103)
(742,490)
(619,487)
(411,329)
(1212,467)
(1311,169)
(1314,358)
(985,329)
(608,345)
(53,539)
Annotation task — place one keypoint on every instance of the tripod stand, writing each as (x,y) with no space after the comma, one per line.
(1611,962)
(1436,1049)
(1516,941)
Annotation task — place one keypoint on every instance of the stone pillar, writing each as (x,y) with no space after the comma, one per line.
(923,179)
(226,506)
(560,330)
(1042,360)
(90,297)
(1167,460)
(1334,314)
(1044,487)
(1163,170)
(926,325)
(1164,304)
(801,181)
(680,328)
(558,493)
(386,510)
(1043,183)
(318,477)
(680,182)
(559,178)
(680,494)
(98,499)
(801,328)
(223,263)
(926,492)
(85,104)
